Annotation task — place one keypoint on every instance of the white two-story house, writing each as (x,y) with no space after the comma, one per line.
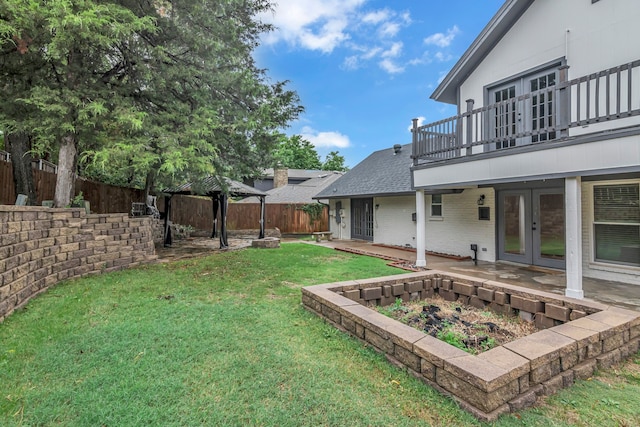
(545,148)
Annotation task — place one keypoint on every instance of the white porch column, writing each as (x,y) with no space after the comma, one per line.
(421,238)
(573,236)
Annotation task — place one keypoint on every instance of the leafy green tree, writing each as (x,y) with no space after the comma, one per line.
(334,162)
(145,90)
(296,153)
(207,108)
(68,98)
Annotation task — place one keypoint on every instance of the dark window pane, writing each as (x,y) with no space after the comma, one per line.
(618,243)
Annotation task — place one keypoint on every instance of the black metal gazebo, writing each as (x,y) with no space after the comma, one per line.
(219,193)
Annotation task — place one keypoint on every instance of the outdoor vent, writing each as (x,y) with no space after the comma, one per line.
(397,148)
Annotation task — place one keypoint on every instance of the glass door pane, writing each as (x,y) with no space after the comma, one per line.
(551,216)
(542,107)
(504,120)
(514,224)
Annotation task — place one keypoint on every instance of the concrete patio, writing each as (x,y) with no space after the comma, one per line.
(544,279)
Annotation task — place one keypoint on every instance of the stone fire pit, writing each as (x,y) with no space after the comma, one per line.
(578,336)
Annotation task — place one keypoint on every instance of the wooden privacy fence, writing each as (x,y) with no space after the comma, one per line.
(289,218)
(186,210)
(104,198)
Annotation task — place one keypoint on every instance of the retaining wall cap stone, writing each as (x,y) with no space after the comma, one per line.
(436,351)
(614,317)
(333,299)
(590,324)
(404,335)
(478,372)
(579,334)
(506,359)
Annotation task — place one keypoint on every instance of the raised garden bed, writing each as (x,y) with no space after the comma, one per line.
(577,337)
(467,328)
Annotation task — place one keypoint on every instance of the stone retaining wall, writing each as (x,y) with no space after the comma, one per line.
(580,336)
(40,247)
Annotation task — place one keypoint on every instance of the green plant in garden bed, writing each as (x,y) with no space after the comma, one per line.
(466,328)
(224,341)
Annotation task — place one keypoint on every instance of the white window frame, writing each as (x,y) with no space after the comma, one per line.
(598,264)
(431,206)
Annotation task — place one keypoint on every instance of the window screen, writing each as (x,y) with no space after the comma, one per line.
(616,213)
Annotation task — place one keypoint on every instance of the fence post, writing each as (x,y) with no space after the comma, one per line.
(469,124)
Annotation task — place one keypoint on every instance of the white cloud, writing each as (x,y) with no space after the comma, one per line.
(312,24)
(441,39)
(376,17)
(325,139)
(371,53)
(389,29)
(351,63)
(443,57)
(369,36)
(390,67)
(394,51)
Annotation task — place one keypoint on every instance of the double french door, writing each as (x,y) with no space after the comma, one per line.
(362,219)
(515,119)
(531,227)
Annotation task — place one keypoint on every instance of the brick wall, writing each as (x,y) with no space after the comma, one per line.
(459,226)
(40,247)
(392,220)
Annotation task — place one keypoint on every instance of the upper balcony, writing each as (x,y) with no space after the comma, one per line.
(554,110)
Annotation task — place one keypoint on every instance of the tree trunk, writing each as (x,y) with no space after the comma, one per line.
(66,180)
(19,145)
(149,182)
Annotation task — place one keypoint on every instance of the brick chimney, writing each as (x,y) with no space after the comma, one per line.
(280,177)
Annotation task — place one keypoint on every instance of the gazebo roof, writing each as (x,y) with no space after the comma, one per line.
(211,186)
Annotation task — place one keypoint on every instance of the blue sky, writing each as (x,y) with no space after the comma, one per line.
(364,68)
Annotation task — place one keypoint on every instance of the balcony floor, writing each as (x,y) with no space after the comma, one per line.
(549,280)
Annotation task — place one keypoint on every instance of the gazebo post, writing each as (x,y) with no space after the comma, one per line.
(261,236)
(214,198)
(167,228)
(223,219)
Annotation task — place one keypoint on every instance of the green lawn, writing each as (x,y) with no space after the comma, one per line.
(223,340)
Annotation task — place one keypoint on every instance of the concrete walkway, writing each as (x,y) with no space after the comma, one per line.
(549,280)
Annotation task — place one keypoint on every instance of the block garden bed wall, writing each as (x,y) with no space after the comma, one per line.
(576,337)
(40,247)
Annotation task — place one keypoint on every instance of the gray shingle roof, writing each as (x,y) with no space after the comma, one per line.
(382,173)
(299,193)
